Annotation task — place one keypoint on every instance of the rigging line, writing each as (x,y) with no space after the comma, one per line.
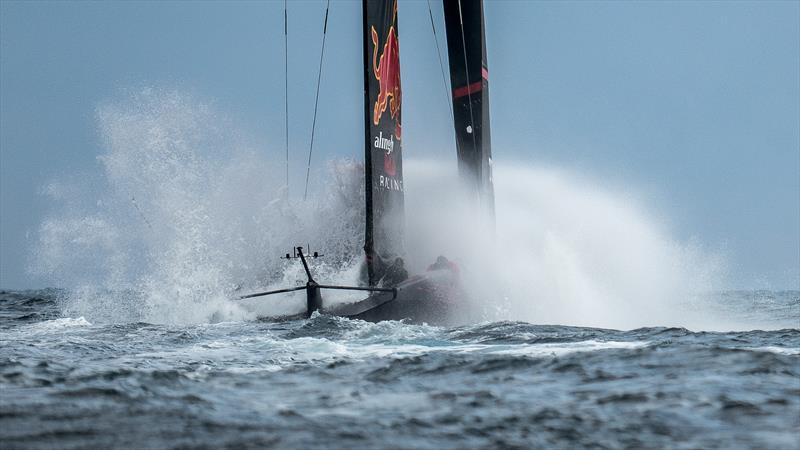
(316,100)
(136,205)
(466,72)
(286,86)
(441,65)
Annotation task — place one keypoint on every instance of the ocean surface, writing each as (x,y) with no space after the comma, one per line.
(66,382)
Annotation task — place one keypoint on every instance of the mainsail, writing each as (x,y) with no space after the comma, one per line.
(469,79)
(383,154)
(426,297)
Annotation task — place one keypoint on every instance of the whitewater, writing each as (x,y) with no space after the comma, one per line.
(599,328)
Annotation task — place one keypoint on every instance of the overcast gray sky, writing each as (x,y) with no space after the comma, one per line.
(695,103)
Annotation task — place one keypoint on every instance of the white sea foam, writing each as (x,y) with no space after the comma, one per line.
(53,326)
(310,349)
(779,350)
(532,350)
(60,324)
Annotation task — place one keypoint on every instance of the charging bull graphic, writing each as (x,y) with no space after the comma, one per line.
(386,70)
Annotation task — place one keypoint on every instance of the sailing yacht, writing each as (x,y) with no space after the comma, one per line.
(390,293)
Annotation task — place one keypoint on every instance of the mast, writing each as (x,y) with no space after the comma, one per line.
(383,166)
(469,79)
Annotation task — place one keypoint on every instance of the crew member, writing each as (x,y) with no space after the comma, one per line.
(444,263)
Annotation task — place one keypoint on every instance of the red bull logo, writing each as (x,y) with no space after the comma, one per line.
(387,71)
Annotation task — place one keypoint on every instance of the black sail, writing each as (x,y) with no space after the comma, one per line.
(469,79)
(383,153)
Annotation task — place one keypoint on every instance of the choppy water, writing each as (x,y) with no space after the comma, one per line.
(335,383)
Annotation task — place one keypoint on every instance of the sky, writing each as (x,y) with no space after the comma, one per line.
(696,104)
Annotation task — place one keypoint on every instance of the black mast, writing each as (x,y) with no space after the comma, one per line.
(368,233)
(469,79)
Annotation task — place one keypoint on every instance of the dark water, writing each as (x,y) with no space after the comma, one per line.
(333,383)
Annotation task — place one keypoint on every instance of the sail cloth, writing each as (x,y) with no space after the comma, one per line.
(383,129)
(469,79)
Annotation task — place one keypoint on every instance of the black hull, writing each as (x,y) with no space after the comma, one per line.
(428,298)
(431,298)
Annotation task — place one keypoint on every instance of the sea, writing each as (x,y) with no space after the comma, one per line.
(327,382)
(597,323)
